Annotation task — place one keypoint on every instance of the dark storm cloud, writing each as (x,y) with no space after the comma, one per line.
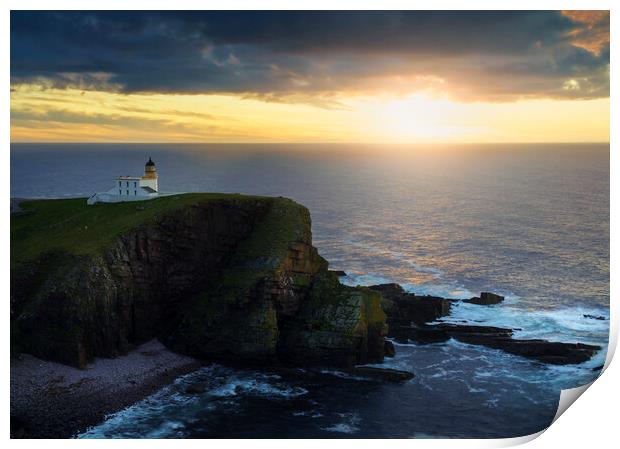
(474,55)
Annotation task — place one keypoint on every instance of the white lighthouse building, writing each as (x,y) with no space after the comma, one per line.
(131,188)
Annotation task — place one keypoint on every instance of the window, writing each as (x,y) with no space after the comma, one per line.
(127,192)
(127,184)
(135,192)
(120,192)
(119,183)
(135,185)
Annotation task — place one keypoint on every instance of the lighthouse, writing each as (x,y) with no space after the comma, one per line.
(150,175)
(131,188)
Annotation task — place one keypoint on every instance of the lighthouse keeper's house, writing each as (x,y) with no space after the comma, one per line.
(131,188)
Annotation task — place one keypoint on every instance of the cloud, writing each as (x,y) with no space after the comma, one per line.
(52,115)
(593,34)
(56,119)
(316,57)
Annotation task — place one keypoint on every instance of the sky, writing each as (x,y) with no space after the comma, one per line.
(248,76)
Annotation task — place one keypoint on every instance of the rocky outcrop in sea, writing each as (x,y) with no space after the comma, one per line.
(414,318)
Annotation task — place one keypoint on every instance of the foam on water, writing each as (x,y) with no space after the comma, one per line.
(223,387)
(349,424)
(236,387)
(493,365)
(566,324)
(341,374)
(149,418)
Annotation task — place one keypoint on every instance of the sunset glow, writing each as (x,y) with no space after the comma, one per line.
(551,85)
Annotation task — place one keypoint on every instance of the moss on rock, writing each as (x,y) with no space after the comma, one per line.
(337,325)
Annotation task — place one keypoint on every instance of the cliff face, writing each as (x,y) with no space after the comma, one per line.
(227,278)
(334,320)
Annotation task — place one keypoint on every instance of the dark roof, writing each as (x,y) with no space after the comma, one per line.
(149,189)
(150,163)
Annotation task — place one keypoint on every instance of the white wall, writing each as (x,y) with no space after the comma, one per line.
(152,183)
(127,188)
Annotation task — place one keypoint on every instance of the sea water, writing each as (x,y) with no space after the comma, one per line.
(530,222)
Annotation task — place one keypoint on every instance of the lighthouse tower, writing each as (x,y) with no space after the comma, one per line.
(150,176)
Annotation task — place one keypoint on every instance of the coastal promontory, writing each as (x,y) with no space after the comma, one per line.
(216,276)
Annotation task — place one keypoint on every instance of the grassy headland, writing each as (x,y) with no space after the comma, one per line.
(71,226)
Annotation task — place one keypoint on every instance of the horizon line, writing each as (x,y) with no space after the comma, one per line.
(315,143)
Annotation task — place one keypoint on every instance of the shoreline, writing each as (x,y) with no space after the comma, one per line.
(51,400)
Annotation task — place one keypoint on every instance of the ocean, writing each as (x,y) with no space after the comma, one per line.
(530,222)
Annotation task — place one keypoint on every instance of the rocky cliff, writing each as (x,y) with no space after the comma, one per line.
(224,277)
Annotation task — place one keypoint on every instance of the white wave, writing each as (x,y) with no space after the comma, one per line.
(236,386)
(350,425)
(167,429)
(566,324)
(150,418)
(311,414)
(428,436)
(341,428)
(341,374)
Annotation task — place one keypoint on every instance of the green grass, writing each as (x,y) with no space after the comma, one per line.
(71,226)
